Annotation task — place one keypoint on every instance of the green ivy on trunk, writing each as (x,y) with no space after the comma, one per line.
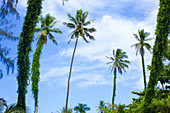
(162,31)
(24,47)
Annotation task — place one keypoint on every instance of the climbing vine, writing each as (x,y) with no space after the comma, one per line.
(35,70)
(23,64)
(162,31)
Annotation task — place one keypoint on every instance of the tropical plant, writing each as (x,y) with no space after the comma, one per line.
(24,47)
(45,31)
(80,30)
(162,31)
(118,63)
(142,38)
(101,105)
(68,111)
(11,108)
(81,108)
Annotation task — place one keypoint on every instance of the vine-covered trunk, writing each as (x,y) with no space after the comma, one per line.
(24,47)
(144,75)
(114,89)
(35,71)
(68,87)
(162,32)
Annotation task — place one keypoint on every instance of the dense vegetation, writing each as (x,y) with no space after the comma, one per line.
(151,100)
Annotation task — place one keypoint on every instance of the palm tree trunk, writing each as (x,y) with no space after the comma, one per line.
(114,89)
(36,72)
(144,75)
(68,87)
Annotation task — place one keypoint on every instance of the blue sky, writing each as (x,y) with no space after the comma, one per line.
(91,81)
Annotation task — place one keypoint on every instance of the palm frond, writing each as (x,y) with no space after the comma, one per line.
(52,38)
(52,24)
(72,18)
(84,16)
(55,30)
(149,48)
(88,22)
(70,25)
(149,39)
(136,36)
(83,36)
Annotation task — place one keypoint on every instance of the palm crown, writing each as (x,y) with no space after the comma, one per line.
(79,25)
(81,108)
(117,61)
(142,42)
(46,28)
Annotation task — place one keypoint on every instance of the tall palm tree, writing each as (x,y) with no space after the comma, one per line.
(142,38)
(80,30)
(45,31)
(81,108)
(118,64)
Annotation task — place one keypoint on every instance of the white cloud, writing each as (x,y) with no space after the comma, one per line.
(113,31)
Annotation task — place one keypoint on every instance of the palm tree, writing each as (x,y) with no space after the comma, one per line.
(101,105)
(142,38)
(80,30)
(117,63)
(45,31)
(81,108)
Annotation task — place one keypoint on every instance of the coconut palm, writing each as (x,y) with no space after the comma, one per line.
(45,31)
(80,30)
(142,38)
(117,64)
(81,108)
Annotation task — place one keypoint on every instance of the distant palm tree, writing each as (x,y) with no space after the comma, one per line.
(101,105)
(45,31)
(80,30)
(142,38)
(117,63)
(81,108)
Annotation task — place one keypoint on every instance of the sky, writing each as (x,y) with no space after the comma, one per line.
(91,80)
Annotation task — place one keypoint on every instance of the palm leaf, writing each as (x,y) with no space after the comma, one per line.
(37,29)
(52,38)
(55,30)
(72,19)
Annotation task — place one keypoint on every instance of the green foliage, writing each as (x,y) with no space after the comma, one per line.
(117,63)
(160,47)
(24,47)
(5,26)
(142,38)
(107,108)
(81,108)
(45,31)
(9,7)
(159,104)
